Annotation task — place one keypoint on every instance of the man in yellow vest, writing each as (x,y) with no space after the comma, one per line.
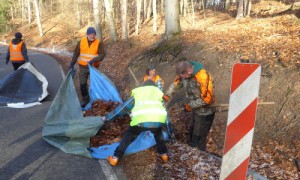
(199,95)
(147,114)
(152,75)
(89,50)
(17,52)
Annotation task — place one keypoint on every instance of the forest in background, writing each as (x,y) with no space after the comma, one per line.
(268,35)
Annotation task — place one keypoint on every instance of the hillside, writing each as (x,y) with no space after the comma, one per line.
(270,37)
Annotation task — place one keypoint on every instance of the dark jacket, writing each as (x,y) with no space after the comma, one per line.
(24,50)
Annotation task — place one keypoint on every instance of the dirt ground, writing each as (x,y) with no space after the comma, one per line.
(269,37)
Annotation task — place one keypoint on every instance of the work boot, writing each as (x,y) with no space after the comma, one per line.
(165,158)
(112,160)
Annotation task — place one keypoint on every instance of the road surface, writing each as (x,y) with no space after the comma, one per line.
(24,154)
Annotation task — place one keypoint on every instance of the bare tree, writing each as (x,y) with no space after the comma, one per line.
(172,18)
(154,17)
(124,34)
(37,13)
(193,11)
(111,20)
(97,21)
(227,4)
(243,8)
(149,9)
(138,15)
(29,11)
(145,9)
(78,13)
(162,7)
(23,11)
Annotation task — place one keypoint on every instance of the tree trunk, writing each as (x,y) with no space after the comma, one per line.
(172,18)
(37,13)
(145,9)
(29,11)
(97,21)
(181,7)
(12,13)
(162,7)
(203,8)
(154,17)
(78,13)
(241,9)
(22,12)
(249,6)
(110,18)
(193,12)
(138,15)
(149,9)
(124,34)
(227,4)
(185,8)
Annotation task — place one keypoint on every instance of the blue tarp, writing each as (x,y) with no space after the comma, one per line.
(102,88)
(23,88)
(144,141)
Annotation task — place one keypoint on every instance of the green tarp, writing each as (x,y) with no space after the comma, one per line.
(65,127)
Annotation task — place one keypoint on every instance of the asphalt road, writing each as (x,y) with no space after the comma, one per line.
(24,154)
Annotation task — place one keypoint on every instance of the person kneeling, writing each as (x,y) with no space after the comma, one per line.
(147,114)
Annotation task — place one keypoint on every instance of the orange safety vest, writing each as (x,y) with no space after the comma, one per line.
(87,52)
(15,51)
(154,79)
(206,88)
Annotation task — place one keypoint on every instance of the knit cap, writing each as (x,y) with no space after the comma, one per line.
(18,35)
(90,30)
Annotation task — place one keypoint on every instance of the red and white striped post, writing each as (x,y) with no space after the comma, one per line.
(241,120)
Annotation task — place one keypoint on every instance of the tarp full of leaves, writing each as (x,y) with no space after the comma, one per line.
(65,126)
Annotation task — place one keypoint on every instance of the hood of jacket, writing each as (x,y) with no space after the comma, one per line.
(16,41)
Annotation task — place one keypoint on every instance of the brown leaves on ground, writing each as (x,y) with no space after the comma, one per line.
(111,131)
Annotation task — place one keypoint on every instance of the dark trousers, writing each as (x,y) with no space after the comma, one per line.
(199,128)
(133,132)
(17,65)
(83,78)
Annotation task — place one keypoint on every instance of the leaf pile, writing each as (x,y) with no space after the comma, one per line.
(111,131)
(101,108)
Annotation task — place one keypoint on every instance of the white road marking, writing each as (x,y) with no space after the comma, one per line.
(108,172)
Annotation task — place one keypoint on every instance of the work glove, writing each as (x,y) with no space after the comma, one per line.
(187,107)
(91,62)
(166,98)
(72,69)
(172,138)
(103,118)
(7,60)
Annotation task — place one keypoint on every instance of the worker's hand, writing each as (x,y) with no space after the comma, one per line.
(91,62)
(166,98)
(172,138)
(187,107)
(103,118)
(7,61)
(109,116)
(72,71)
(177,80)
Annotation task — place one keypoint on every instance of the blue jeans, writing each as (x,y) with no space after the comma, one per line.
(133,132)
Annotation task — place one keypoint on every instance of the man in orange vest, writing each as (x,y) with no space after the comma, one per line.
(17,52)
(199,95)
(89,50)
